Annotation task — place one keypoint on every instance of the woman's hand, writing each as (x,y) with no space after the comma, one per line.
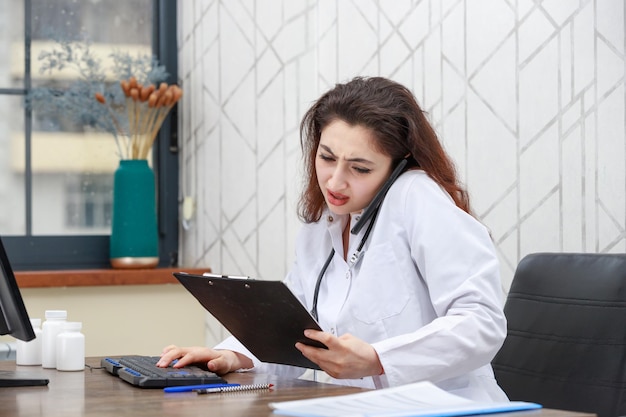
(347,357)
(219,361)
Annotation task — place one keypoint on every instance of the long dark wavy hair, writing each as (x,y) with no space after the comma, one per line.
(390,111)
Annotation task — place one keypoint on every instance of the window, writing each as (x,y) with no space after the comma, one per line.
(56,175)
(89,207)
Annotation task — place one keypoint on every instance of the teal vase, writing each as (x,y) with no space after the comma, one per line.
(134,238)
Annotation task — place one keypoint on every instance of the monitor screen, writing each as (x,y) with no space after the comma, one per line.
(13,316)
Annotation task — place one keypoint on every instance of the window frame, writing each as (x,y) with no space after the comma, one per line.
(36,253)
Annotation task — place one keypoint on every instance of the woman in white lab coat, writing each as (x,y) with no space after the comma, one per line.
(414,294)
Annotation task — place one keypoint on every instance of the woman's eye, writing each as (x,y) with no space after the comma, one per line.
(362,170)
(326,157)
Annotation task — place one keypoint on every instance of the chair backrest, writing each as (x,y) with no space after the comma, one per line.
(566,342)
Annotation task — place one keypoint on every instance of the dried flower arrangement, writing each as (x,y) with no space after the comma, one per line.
(146,109)
(129,99)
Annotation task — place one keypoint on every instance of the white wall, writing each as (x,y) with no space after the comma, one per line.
(528,97)
(124,319)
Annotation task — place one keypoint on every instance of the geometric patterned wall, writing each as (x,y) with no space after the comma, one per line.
(527,96)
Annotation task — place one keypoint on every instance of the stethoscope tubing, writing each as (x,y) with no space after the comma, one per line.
(353,260)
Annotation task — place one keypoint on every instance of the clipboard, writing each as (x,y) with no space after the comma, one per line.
(263,315)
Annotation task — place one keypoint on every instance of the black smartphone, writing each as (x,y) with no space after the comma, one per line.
(378,198)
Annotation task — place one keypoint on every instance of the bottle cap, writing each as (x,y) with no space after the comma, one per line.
(56,314)
(72,325)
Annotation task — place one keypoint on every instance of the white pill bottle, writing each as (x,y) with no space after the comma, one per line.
(50,330)
(29,353)
(71,347)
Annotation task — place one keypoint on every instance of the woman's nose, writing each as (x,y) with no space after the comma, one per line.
(337,180)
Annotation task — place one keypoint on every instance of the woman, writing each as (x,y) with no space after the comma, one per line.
(415,293)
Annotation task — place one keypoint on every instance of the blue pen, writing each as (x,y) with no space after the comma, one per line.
(189,388)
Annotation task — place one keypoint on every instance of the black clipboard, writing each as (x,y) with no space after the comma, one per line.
(263,315)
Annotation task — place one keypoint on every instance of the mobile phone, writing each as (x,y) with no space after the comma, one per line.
(378,198)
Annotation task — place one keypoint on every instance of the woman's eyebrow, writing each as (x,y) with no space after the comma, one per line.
(359,160)
(327,149)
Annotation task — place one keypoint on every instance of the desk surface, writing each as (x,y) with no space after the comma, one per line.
(96,393)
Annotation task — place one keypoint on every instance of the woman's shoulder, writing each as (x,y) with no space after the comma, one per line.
(415,176)
(417,197)
(416,183)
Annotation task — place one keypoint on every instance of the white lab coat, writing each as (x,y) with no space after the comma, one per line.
(425,293)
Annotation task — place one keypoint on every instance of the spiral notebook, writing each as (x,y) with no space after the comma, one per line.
(264,316)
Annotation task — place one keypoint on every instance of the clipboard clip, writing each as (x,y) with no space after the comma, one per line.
(210,275)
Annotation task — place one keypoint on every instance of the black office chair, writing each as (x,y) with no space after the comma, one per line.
(566,342)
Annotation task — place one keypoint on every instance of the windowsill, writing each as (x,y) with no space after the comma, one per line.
(95,277)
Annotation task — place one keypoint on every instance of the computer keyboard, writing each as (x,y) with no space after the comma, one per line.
(141,371)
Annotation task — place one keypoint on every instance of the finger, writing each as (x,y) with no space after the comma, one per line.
(326,339)
(169,356)
(308,351)
(219,365)
(302,347)
(186,359)
(312,353)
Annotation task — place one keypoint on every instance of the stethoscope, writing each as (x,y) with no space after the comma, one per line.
(370,213)
(353,259)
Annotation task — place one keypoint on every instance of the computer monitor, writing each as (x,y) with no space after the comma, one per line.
(14,321)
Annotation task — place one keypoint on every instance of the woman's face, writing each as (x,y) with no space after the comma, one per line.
(349,169)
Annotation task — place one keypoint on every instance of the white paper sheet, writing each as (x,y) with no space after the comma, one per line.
(417,399)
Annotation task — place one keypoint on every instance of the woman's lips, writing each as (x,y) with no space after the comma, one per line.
(336,199)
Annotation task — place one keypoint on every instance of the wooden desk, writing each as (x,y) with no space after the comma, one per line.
(96,393)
